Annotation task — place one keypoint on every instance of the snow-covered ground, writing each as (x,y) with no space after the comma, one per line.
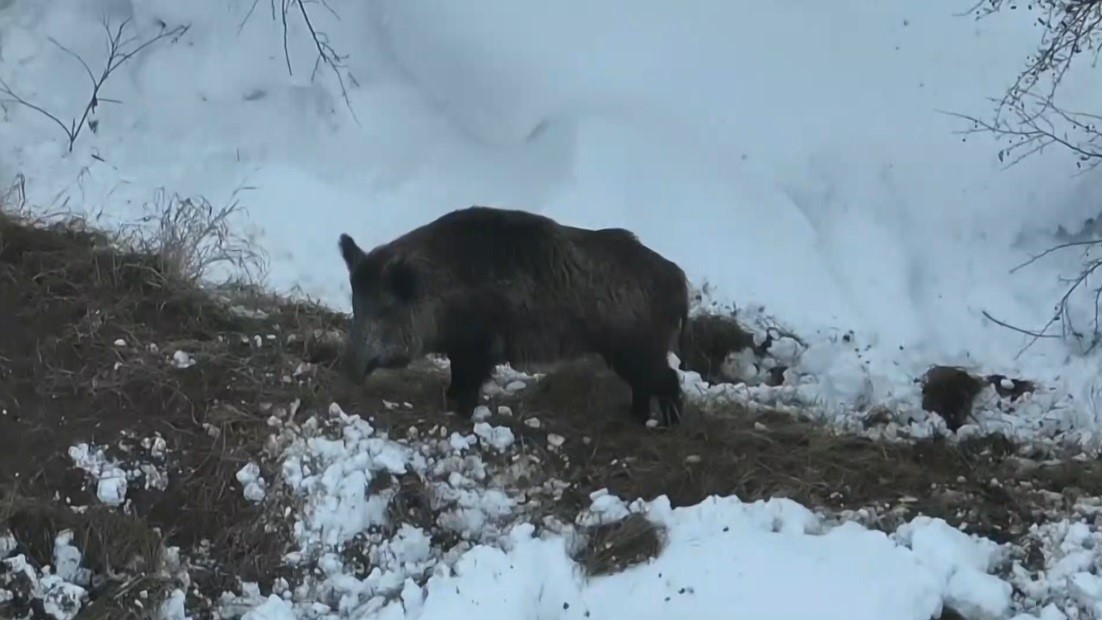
(793,155)
(721,558)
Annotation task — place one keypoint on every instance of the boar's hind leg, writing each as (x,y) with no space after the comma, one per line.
(667,388)
(471,366)
(648,374)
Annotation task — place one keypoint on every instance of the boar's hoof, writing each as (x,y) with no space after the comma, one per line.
(462,401)
(669,411)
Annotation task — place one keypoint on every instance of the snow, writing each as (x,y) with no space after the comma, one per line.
(716,552)
(61,592)
(110,478)
(791,155)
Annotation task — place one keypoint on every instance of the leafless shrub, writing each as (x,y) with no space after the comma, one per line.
(120,49)
(191,236)
(327,55)
(1028,119)
(1063,324)
(613,547)
(1069,27)
(1027,116)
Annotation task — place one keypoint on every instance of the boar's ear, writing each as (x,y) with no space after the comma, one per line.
(401,277)
(351,252)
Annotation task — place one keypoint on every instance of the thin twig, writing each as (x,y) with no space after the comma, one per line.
(1062,312)
(327,55)
(118,52)
(1027,114)
(1020,330)
(1029,119)
(1056,248)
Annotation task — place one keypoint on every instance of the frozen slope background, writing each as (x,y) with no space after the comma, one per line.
(790,153)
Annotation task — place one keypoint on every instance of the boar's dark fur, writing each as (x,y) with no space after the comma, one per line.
(484,286)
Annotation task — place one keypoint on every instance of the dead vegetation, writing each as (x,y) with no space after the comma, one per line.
(762,454)
(102,344)
(710,338)
(951,391)
(114,347)
(612,547)
(1033,116)
(125,556)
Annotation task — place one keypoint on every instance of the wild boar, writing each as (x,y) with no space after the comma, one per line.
(485,286)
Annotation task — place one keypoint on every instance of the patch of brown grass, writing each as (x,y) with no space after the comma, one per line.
(710,338)
(612,547)
(90,331)
(949,391)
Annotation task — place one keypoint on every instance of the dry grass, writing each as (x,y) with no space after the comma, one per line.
(90,334)
(709,340)
(612,547)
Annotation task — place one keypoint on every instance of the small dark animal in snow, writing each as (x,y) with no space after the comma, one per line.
(485,286)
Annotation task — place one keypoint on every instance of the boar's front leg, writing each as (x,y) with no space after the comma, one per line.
(471,367)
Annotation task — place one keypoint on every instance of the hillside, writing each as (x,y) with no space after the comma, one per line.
(164,438)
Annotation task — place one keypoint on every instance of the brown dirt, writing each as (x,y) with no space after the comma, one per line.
(949,391)
(709,339)
(65,301)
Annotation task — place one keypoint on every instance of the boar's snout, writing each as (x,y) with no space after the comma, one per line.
(360,360)
(371,347)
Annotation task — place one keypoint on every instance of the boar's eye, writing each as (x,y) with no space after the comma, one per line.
(401,278)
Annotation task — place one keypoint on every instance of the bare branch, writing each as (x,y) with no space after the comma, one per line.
(6,90)
(1036,335)
(118,52)
(1061,311)
(327,55)
(1027,115)
(1028,118)
(1070,28)
(1055,248)
(1037,124)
